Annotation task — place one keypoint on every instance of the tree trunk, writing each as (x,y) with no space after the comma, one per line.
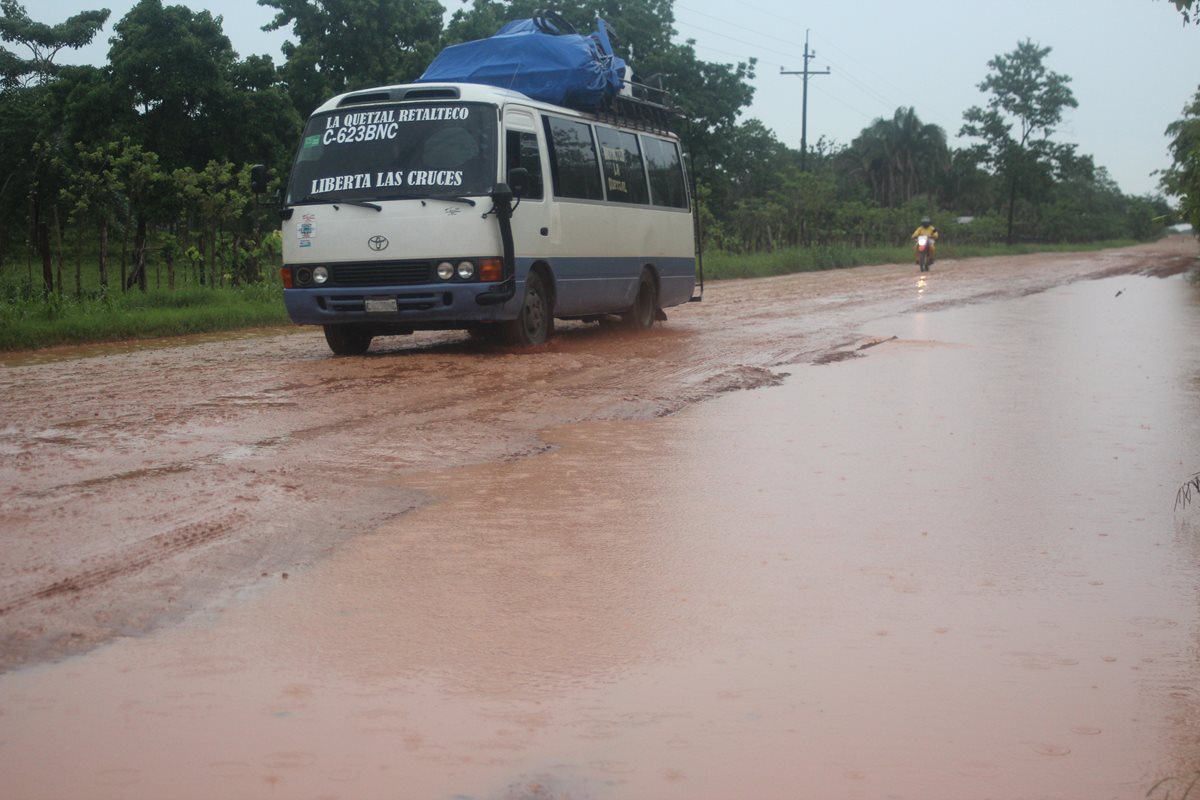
(200,265)
(240,268)
(183,237)
(138,275)
(40,238)
(212,256)
(104,254)
(79,257)
(61,255)
(140,251)
(43,246)
(1012,204)
(125,250)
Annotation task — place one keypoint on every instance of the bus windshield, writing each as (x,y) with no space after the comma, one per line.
(387,152)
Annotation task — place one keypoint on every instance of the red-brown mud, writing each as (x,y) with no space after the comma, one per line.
(939,562)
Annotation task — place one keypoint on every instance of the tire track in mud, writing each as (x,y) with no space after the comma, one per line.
(740,378)
(836,355)
(128,561)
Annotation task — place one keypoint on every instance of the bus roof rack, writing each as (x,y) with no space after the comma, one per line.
(645,106)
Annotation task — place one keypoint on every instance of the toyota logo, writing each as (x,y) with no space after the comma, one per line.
(377,243)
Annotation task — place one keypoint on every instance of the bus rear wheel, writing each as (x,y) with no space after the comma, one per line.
(641,316)
(535,322)
(347,340)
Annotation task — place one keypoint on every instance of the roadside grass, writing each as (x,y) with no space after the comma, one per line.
(32,322)
(720,265)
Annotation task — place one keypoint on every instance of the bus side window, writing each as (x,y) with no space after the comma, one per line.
(522,151)
(667,187)
(624,175)
(574,167)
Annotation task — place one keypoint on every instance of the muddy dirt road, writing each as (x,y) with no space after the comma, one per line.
(450,570)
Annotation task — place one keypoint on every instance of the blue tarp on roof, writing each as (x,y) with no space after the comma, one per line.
(529,56)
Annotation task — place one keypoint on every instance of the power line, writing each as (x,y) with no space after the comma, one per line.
(842,102)
(735,39)
(735,25)
(870,88)
(855,82)
(862,86)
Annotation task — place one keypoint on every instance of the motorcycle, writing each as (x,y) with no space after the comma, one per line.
(924,252)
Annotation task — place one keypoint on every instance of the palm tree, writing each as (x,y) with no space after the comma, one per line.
(901,157)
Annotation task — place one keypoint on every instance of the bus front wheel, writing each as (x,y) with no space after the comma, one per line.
(535,322)
(641,316)
(347,340)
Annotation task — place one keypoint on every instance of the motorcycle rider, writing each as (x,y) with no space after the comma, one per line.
(926,228)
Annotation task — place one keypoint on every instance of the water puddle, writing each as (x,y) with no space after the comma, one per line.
(947,568)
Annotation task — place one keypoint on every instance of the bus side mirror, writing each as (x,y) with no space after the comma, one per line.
(518,179)
(258,179)
(502,195)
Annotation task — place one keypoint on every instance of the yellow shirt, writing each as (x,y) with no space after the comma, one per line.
(925,230)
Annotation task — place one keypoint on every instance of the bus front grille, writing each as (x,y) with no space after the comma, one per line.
(380,273)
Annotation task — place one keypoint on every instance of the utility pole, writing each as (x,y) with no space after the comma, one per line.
(806,72)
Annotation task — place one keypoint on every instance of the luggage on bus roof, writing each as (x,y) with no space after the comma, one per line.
(542,58)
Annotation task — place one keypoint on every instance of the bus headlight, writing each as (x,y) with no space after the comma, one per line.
(445,270)
(303,276)
(320,275)
(466,270)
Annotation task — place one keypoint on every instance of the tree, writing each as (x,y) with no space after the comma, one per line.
(255,120)
(145,186)
(1182,179)
(42,41)
(753,165)
(87,106)
(899,158)
(352,44)
(710,96)
(1031,98)
(1190,9)
(30,126)
(171,64)
(191,100)
(966,187)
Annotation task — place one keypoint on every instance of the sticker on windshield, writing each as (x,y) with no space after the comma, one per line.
(312,141)
(373,126)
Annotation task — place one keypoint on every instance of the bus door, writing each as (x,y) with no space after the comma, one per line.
(532,226)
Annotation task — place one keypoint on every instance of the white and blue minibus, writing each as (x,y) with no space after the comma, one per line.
(433,206)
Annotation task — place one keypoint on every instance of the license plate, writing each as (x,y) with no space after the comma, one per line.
(381,305)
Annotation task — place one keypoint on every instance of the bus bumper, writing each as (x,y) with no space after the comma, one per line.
(418,306)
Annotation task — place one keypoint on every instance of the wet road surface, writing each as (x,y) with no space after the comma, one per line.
(935,555)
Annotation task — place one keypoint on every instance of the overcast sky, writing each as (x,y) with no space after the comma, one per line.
(1133,64)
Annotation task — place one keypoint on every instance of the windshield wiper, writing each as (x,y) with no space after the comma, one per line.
(362,203)
(444,197)
(312,198)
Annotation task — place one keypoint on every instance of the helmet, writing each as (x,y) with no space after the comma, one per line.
(926,220)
